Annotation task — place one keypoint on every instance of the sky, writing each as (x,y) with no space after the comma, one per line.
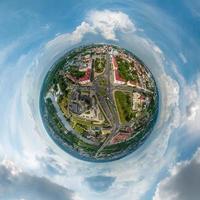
(165,35)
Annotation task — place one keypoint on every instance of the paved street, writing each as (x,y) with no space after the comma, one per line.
(105,99)
(64,121)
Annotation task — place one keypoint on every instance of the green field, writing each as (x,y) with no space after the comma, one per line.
(74,71)
(99,65)
(124,107)
(78,120)
(63,103)
(79,128)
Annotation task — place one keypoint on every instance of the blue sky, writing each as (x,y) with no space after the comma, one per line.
(164,35)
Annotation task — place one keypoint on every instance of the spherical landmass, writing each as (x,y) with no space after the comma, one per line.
(99,102)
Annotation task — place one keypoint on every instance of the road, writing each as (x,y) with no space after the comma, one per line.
(106,101)
(65,123)
(109,101)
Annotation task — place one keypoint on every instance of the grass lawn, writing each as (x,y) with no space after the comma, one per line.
(63,103)
(77,120)
(125,70)
(74,71)
(124,107)
(79,128)
(99,65)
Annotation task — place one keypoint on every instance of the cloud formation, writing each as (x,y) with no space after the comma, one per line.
(15,184)
(107,23)
(183,182)
(137,180)
(132,175)
(192,94)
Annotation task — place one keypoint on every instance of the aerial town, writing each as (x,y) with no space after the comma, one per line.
(101,100)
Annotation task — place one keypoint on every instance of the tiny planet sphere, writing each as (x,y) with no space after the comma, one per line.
(99,102)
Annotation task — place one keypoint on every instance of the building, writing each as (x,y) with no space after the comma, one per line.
(106,131)
(86,78)
(85,67)
(138,101)
(117,78)
(75,108)
(120,137)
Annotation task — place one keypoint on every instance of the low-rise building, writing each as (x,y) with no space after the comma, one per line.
(86,78)
(87,68)
(106,131)
(120,137)
(138,101)
(117,78)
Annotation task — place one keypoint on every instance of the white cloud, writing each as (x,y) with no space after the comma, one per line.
(104,22)
(192,110)
(5,52)
(190,103)
(183,182)
(192,116)
(133,177)
(21,185)
(107,22)
(59,43)
(137,179)
(12,167)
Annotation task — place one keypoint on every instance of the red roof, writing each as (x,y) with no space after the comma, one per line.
(86,76)
(117,76)
(120,137)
